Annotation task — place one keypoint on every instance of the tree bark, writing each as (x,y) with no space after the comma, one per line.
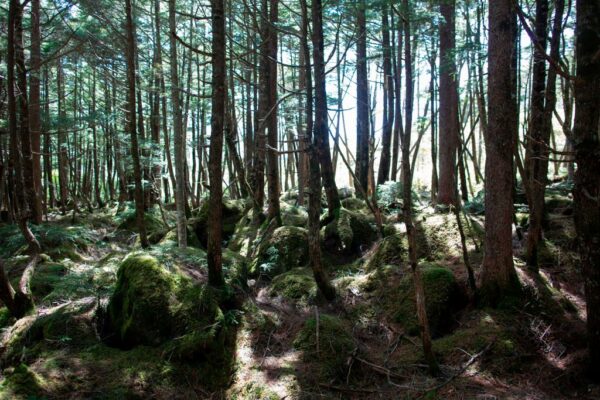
(215,274)
(179,135)
(131,125)
(587,178)
(362,100)
(498,273)
(388,106)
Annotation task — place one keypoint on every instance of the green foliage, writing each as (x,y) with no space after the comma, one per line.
(329,350)
(286,248)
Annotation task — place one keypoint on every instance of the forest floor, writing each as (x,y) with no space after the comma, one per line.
(287,342)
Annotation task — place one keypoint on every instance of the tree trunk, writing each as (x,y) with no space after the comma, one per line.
(362,100)
(388,106)
(498,273)
(587,178)
(179,135)
(215,274)
(448,137)
(321,129)
(131,125)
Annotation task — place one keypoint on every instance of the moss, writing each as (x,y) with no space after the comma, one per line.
(5,317)
(155,227)
(297,285)
(140,308)
(171,237)
(354,204)
(22,382)
(335,344)
(286,248)
(442,298)
(46,277)
(232,213)
(389,251)
(350,233)
(293,215)
(554,202)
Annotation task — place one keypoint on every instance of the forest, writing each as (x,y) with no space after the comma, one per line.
(311,199)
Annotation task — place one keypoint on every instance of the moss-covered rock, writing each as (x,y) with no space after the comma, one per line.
(349,233)
(152,305)
(354,204)
(294,215)
(171,236)
(297,285)
(232,212)
(286,248)
(155,227)
(331,353)
(442,299)
(389,250)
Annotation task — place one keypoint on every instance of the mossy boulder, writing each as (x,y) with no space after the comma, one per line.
(232,212)
(349,233)
(155,227)
(286,248)
(354,204)
(390,250)
(171,236)
(442,300)
(329,349)
(297,285)
(152,305)
(293,215)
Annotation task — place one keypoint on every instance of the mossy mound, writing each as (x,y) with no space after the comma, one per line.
(152,305)
(389,250)
(254,391)
(232,212)
(60,326)
(46,277)
(171,236)
(354,204)
(350,233)
(286,248)
(294,215)
(442,300)
(557,202)
(297,285)
(155,227)
(331,353)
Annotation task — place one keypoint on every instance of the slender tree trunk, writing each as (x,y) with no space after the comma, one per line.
(321,129)
(215,274)
(362,100)
(388,106)
(587,178)
(179,135)
(131,124)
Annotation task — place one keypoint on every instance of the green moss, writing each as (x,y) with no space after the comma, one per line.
(5,317)
(286,248)
(349,233)
(441,300)
(389,251)
(335,344)
(297,285)
(292,215)
(171,237)
(254,391)
(233,210)
(155,227)
(354,204)
(22,382)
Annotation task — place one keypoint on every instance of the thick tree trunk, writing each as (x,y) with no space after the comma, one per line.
(215,274)
(179,134)
(498,273)
(448,137)
(131,125)
(587,177)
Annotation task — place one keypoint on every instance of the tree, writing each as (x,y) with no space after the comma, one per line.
(179,134)
(131,125)
(587,179)
(388,99)
(448,136)
(498,274)
(362,100)
(215,274)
